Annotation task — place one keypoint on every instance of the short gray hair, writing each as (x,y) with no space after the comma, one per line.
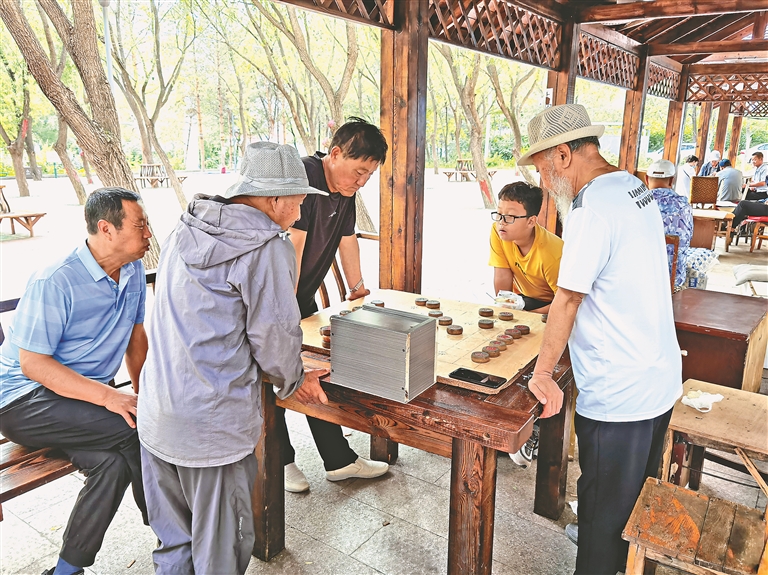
(107,204)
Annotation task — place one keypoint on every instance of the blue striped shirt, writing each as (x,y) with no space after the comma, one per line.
(75,312)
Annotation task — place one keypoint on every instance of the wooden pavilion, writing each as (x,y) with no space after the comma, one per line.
(704,52)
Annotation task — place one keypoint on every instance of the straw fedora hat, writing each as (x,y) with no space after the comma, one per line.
(558,125)
(268,169)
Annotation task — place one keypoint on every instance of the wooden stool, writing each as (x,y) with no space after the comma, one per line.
(683,529)
(758,234)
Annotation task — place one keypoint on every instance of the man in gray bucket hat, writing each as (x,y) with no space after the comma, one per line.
(225,313)
(614,311)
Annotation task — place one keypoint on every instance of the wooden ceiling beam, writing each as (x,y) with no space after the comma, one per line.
(707,47)
(665,9)
(694,29)
(758,29)
(725,69)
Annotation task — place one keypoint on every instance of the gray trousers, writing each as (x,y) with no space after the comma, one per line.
(202,516)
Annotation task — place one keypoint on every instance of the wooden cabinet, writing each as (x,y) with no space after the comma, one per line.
(724,335)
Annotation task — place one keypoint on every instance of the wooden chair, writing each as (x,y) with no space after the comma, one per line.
(679,528)
(674,241)
(704,190)
(340,285)
(758,232)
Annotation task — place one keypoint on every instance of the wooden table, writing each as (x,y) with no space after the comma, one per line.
(740,420)
(467,426)
(725,336)
(706,224)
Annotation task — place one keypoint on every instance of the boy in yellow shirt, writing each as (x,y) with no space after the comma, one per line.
(524,255)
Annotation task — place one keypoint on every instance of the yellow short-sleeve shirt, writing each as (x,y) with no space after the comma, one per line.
(536,272)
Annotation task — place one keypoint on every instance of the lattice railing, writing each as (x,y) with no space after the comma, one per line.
(604,62)
(727,88)
(370,11)
(663,82)
(497,27)
(751,109)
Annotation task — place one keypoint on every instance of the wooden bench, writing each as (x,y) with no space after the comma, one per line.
(26,219)
(151,175)
(23,469)
(679,528)
(466,175)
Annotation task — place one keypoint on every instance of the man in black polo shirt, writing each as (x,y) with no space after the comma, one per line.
(328,223)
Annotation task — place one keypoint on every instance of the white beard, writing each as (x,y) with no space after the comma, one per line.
(562,192)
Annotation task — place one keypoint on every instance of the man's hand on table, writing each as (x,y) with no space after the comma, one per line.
(311,392)
(548,393)
(362,292)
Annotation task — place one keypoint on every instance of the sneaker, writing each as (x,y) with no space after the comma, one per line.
(572,531)
(527,452)
(295,481)
(360,468)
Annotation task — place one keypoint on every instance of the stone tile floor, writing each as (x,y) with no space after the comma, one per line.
(393,525)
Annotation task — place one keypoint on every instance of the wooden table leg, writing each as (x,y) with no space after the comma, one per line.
(383,449)
(473,507)
(268,498)
(552,464)
(666,455)
(727,234)
(697,463)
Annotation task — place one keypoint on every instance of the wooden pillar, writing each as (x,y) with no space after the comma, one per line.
(735,137)
(562,82)
(701,140)
(675,119)
(758,28)
(724,109)
(672,135)
(268,498)
(404,52)
(632,126)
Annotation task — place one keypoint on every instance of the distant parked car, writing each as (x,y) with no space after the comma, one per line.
(759,148)
(685,150)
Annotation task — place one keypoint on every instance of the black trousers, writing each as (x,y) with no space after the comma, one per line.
(615,460)
(745,209)
(99,443)
(755,195)
(329,439)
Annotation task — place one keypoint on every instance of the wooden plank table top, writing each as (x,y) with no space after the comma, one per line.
(731,316)
(453,350)
(465,425)
(712,214)
(739,420)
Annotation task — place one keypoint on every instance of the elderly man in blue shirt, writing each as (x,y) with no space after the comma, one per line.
(76,320)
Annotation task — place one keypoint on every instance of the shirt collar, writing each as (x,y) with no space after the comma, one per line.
(96,271)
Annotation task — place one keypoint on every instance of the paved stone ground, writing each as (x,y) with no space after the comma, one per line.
(394,525)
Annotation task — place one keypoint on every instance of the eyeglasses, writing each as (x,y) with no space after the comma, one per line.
(497,217)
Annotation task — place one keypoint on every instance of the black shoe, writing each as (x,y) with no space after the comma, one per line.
(572,531)
(52,569)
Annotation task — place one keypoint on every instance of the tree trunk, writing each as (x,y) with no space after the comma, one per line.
(61,149)
(29,144)
(483,180)
(170,172)
(457,131)
(86,167)
(435,116)
(16,150)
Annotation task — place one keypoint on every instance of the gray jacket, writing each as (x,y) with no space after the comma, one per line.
(224,312)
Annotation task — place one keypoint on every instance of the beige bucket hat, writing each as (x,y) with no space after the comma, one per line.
(558,125)
(269,169)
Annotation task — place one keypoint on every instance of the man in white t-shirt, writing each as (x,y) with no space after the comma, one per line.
(614,310)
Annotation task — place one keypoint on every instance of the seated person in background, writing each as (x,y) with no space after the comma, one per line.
(526,255)
(74,323)
(523,253)
(675,213)
(758,188)
(728,182)
(746,209)
(711,167)
(683,186)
